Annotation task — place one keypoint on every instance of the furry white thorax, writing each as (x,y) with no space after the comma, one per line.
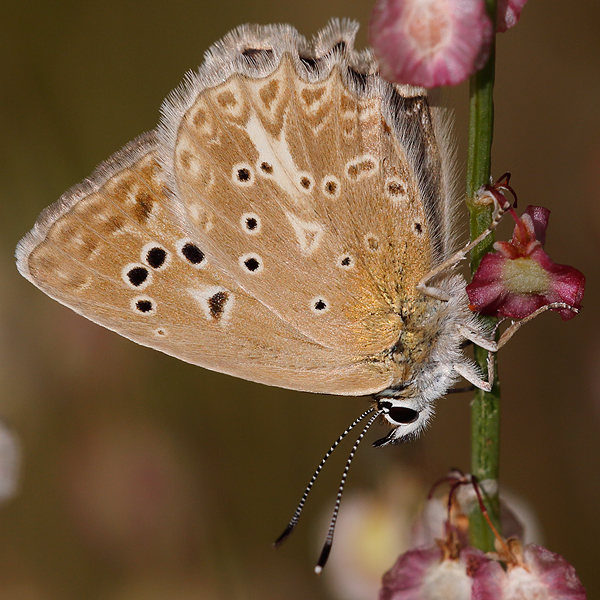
(438,372)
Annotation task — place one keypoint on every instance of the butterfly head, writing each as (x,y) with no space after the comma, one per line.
(406,413)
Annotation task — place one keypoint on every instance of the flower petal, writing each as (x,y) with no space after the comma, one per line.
(488,580)
(519,278)
(487,291)
(405,579)
(520,306)
(509,12)
(556,575)
(430,42)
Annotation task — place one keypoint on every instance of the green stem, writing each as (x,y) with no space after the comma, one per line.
(485,408)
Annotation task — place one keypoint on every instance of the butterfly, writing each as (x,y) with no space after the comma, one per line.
(289,222)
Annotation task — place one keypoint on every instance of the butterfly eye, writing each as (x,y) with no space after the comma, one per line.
(403,415)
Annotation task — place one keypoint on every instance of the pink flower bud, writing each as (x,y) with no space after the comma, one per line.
(430,43)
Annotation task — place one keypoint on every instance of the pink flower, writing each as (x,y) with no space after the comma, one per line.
(545,571)
(520,277)
(431,43)
(452,570)
(433,572)
(531,572)
(448,572)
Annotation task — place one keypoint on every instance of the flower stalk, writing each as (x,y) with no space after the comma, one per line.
(485,407)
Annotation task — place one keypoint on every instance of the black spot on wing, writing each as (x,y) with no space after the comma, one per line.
(137,276)
(252,264)
(144,306)
(156,257)
(243,175)
(216,304)
(192,253)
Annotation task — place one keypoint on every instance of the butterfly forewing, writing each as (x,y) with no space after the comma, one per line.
(300,190)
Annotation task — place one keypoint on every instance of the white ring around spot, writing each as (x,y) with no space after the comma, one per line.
(316,300)
(242,260)
(338,186)
(243,222)
(179,244)
(144,255)
(302,175)
(137,299)
(235,174)
(371,242)
(348,266)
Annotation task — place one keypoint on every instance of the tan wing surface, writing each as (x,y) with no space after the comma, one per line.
(112,250)
(301,190)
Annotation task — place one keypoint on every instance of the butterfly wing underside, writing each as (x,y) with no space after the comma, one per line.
(112,250)
(275,228)
(309,180)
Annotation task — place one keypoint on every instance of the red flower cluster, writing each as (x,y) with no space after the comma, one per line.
(519,278)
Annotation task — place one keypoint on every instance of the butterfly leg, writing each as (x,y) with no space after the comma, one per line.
(470,373)
(493,346)
(461,390)
(434,292)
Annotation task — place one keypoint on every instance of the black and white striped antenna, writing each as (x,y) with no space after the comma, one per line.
(336,509)
(294,520)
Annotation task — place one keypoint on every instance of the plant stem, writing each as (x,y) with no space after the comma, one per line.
(485,408)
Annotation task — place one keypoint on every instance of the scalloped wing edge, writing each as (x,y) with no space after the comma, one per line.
(256,51)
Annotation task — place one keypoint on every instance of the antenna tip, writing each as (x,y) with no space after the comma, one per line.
(324,556)
(284,536)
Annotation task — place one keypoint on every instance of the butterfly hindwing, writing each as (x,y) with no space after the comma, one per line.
(113,250)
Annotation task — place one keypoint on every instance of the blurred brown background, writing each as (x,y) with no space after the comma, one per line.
(144,477)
